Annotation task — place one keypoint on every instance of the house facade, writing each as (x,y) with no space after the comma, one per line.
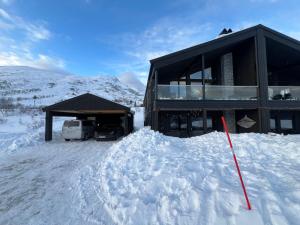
(251,77)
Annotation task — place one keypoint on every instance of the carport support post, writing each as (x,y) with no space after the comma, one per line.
(48,126)
(126,124)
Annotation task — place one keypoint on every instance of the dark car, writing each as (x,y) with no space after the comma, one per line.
(108,132)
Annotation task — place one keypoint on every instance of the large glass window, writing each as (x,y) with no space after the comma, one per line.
(272,124)
(199,76)
(72,123)
(208,75)
(209,123)
(284,121)
(174,123)
(197,123)
(183,122)
(196,76)
(286,124)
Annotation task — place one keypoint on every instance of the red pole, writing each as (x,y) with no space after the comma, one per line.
(236,162)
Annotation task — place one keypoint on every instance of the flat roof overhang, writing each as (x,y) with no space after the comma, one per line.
(91,111)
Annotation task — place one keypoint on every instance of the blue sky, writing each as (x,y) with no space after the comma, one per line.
(93,37)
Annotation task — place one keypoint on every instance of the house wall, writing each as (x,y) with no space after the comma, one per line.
(245,65)
(249,68)
(293,115)
(284,76)
(228,80)
(149,102)
(252,114)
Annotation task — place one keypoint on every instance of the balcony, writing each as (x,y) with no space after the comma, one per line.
(287,93)
(221,92)
(212,92)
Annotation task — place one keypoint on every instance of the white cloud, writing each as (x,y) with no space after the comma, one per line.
(165,36)
(5,26)
(4,14)
(37,32)
(40,61)
(132,81)
(34,31)
(19,39)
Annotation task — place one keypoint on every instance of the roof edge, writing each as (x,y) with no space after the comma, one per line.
(50,107)
(219,39)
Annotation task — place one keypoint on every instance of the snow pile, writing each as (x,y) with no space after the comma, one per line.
(149,178)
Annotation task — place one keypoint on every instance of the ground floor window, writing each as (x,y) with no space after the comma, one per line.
(213,121)
(272,124)
(286,122)
(173,122)
(197,123)
(183,124)
(183,121)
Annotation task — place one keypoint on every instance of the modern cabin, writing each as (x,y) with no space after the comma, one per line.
(251,77)
(89,107)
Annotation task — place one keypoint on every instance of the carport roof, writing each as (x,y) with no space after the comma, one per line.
(86,103)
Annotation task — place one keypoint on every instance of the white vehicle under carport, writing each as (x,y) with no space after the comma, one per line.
(77,130)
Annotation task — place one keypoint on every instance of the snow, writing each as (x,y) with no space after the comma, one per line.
(48,184)
(150,178)
(138,117)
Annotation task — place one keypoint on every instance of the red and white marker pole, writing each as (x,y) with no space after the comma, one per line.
(236,162)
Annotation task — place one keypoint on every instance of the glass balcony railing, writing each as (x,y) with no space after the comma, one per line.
(284,93)
(221,92)
(179,92)
(212,92)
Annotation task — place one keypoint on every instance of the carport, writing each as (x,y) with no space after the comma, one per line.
(88,106)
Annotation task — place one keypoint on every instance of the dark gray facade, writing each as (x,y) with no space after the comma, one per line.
(251,77)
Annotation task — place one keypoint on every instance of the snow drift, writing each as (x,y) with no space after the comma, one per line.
(149,178)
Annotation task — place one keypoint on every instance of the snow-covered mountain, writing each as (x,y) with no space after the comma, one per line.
(35,87)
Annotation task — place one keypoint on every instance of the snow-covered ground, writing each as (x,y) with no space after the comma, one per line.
(50,183)
(149,178)
(47,184)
